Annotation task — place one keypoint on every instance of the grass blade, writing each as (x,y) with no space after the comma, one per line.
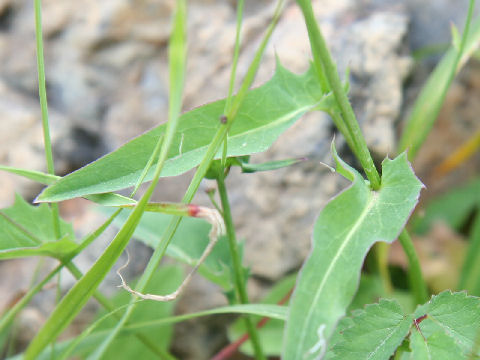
(429,102)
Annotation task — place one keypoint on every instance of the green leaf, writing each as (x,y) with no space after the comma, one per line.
(283,100)
(37,176)
(106,199)
(187,244)
(27,230)
(437,346)
(454,315)
(456,39)
(164,280)
(470,276)
(453,208)
(268,166)
(344,231)
(375,332)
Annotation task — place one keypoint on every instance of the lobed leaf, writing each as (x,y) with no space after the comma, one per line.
(266,112)
(437,346)
(344,232)
(27,230)
(452,315)
(375,333)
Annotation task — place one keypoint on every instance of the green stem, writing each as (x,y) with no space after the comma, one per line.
(236,53)
(381,254)
(237,266)
(212,150)
(415,277)
(42,92)
(321,54)
(353,134)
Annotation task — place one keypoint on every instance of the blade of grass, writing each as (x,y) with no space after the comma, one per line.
(204,166)
(42,92)
(432,96)
(177,58)
(76,298)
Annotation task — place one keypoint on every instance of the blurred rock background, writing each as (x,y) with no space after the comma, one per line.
(107,81)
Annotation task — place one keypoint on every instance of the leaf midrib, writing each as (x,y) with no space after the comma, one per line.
(370,203)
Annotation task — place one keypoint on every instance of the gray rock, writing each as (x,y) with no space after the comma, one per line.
(22,141)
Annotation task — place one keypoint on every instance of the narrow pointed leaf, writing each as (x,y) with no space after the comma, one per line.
(375,333)
(430,100)
(38,176)
(92,341)
(269,165)
(106,199)
(344,232)
(27,230)
(283,100)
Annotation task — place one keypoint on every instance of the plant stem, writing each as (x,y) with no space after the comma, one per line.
(321,54)
(353,134)
(42,92)
(202,169)
(240,287)
(415,277)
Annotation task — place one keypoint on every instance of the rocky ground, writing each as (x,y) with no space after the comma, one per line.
(107,82)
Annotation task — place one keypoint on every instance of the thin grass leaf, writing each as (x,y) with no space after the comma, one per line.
(92,341)
(38,176)
(105,199)
(77,297)
(204,165)
(431,98)
(176,63)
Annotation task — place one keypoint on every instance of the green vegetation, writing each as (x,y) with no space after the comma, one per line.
(317,320)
